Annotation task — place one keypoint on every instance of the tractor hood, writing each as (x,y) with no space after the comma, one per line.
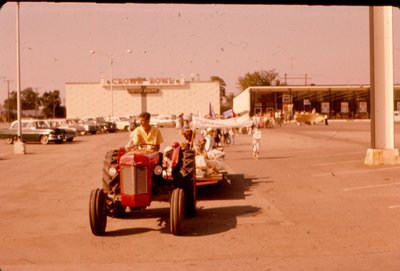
(140,158)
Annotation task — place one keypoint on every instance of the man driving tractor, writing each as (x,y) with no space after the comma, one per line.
(145,136)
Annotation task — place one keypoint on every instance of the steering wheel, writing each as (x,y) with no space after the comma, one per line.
(142,146)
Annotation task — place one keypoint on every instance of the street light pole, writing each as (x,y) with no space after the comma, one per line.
(111,61)
(19,146)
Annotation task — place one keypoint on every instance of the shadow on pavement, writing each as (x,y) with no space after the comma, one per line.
(216,220)
(232,187)
(208,221)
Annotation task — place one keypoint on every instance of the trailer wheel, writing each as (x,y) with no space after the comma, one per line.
(177,210)
(97,212)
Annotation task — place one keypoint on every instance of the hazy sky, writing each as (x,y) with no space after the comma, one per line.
(328,43)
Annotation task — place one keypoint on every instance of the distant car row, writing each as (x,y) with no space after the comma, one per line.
(59,130)
(56,130)
(34,131)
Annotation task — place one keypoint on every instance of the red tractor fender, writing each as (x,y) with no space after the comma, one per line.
(121,151)
(175,154)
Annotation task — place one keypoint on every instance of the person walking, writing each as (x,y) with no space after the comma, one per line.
(255,141)
(179,122)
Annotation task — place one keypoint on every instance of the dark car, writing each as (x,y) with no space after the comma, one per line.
(106,126)
(89,125)
(33,131)
(101,124)
(69,133)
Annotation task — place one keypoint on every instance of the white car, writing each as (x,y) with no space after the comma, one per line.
(166,120)
(122,123)
(396,116)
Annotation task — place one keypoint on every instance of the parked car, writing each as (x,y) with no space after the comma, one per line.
(153,120)
(122,123)
(106,126)
(32,131)
(76,125)
(102,124)
(166,120)
(89,125)
(69,133)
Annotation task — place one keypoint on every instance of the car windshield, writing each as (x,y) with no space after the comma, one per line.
(88,120)
(52,124)
(41,124)
(63,123)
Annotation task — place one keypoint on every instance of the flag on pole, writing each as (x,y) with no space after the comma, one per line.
(211,112)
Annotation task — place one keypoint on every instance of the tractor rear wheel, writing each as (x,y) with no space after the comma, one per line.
(97,212)
(188,173)
(110,160)
(177,211)
(111,184)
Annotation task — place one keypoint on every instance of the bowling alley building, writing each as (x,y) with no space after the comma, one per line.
(131,96)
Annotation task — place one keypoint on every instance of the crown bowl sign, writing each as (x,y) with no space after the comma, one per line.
(140,81)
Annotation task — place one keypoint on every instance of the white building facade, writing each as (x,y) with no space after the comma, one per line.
(131,96)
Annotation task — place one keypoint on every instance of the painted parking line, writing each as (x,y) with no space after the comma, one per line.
(355,171)
(359,161)
(370,186)
(302,155)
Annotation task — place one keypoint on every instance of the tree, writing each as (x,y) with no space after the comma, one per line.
(11,102)
(29,99)
(227,102)
(51,102)
(222,93)
(222,85)
(259,78)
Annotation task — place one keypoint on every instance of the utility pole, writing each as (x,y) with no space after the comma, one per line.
(305,78)
(8,97)
(8,100)
(36,103)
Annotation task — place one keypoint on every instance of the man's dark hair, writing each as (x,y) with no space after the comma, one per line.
(145,115)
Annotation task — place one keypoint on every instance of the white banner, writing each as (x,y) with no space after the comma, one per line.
(203,123)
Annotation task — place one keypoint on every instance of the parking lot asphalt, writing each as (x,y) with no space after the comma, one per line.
(308,203)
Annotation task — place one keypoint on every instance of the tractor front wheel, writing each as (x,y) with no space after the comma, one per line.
(97,212)
(177,211)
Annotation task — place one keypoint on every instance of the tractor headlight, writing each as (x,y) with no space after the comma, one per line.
(158,170)
(112,171)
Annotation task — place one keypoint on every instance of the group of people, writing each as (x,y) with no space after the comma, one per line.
(208,145)
(270,119)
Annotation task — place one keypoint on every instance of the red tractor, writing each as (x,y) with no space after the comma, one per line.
(136,178)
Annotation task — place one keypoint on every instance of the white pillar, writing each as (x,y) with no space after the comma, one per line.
(382,150)
(19,146)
